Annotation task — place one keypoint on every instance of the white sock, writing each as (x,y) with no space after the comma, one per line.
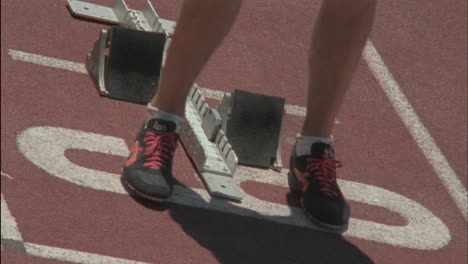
(304,143)
(154,112)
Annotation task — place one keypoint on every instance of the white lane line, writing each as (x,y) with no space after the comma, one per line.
(417,129)
(6,175)
(47,61)
(299,111)
(79,67)
(9,227)
(74,256)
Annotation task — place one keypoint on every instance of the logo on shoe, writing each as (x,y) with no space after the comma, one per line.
(133,155)
(159,127)
(302,178)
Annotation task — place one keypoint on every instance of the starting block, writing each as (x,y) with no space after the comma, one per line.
(253,123)
(134,60)
(126,63)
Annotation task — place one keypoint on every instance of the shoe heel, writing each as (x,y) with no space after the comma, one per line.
(293,183)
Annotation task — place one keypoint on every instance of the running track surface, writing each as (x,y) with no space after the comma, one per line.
(401,135)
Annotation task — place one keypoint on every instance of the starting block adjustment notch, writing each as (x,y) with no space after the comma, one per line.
(216,167)
(219,152)
(121,10)
(152,18)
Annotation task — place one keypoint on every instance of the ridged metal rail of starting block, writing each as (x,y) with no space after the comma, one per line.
(202,136)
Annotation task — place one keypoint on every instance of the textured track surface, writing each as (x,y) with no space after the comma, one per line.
(400,135)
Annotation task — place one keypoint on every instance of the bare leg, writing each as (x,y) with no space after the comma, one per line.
(200,29)
(339,36)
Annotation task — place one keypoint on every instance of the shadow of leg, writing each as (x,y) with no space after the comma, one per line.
(236,238)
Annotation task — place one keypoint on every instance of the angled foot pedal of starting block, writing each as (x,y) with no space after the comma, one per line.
(126,64)
(252,124)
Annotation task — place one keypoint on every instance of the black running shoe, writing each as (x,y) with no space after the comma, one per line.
(315,176)
(148,169)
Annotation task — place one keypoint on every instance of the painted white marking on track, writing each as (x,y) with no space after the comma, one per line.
(416,128)
(44,138)
(74,256)
(9,227)
(80,68)
(6,175)
(47,61)
(423,230)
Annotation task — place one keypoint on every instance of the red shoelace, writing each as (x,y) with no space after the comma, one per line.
(324,172)
(158,148)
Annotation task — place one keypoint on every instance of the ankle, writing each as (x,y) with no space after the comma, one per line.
(304,143)
(154,112)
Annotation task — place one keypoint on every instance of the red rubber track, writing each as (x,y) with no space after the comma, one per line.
(423,43)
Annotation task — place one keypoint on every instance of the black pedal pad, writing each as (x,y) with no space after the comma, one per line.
(252,123)
(134,64)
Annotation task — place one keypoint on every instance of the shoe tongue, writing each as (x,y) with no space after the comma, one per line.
(161,126)
(322,150)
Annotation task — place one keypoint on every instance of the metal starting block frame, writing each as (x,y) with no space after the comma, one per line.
(120,14)
(213,156)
